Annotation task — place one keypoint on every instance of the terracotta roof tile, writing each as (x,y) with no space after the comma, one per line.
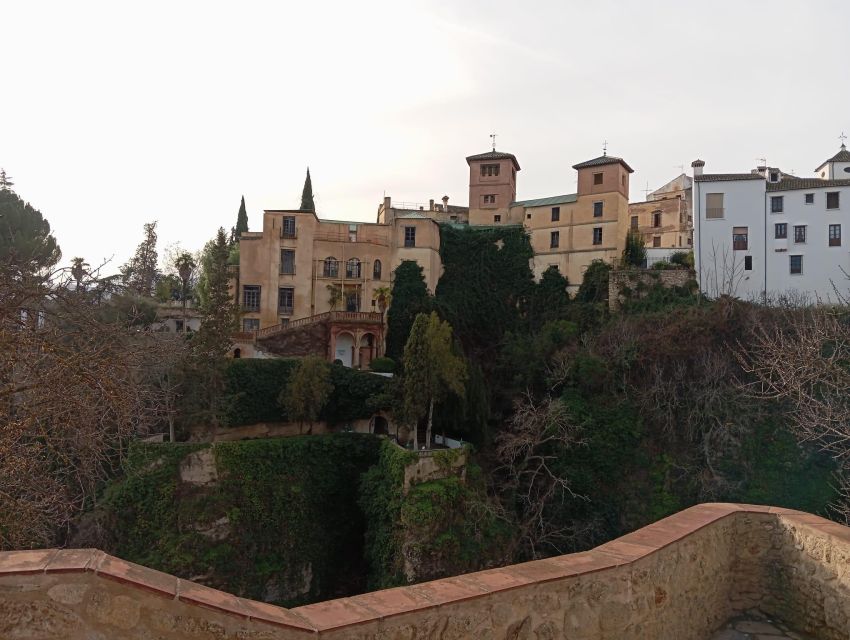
(725,177)
(602,161)
(493,155)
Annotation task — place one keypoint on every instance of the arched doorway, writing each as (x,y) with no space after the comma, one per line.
(368,344)
(380,426)
(237,352)
(344,348)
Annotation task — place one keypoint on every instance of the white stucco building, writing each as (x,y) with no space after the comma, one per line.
(767,235)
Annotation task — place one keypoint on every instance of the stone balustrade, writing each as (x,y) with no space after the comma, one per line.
(680,578)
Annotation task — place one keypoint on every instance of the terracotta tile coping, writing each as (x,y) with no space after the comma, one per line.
(375,606)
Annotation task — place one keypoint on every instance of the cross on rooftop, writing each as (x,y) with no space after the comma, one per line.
(842,137)
(493,139)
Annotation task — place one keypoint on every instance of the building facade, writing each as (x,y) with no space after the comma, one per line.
(765,234)
(665,219)
(300,267)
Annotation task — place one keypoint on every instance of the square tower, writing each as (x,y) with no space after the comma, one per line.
(492,187)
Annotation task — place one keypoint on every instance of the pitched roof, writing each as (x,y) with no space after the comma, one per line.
(725,177)
(601,161)
(841,156)
(494,155)
(791,184)
(545,202)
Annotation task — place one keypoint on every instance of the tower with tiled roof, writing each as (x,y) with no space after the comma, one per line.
(492,186)
(837,167)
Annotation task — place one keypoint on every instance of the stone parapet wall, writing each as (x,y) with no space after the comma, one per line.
(681,577)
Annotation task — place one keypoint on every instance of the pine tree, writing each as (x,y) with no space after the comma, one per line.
(307,203)
(211,342)
(140,273)
(26,244)
(241,221)
(432,370)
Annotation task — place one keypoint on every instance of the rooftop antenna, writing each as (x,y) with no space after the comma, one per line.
(605,148)
(646,191)
(763,161)
(5,181)
(842,137)
(493,140)
(680,167)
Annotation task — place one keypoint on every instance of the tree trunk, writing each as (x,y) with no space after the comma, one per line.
(171,428)
(430,424)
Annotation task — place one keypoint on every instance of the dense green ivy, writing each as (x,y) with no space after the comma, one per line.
(291,510)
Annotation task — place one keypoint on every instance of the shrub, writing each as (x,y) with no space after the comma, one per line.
(382,365)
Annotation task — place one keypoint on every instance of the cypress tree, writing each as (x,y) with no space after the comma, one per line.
(307,203)
(241,220)
(409,298)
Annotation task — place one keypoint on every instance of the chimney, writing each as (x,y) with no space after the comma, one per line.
(387,203)
(431,204)
(697,166)
(446,204)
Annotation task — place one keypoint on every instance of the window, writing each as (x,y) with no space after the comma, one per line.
(352,233)
(835,235)
(287,262)
(330,268)
(740,238)
(288,229)
(810,198)
(178,326)
(497,218)
(528,216)
(748,263)
(251,297)
(800,233)
(556,214)
(554,239)
(410,236)
(489,170)
(656,219)
(713,206)
(832,200)
(597,209)
(352,269)
(352,301)
(376,270)
(774,176)
(285,300)
(250,324)
(796,264)
(490,198)
(777,204)
(597,235)
(634,223)
(597,178)
(780,231)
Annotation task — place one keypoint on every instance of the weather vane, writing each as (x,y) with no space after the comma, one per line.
(605,148)
(842,137)
(493,139)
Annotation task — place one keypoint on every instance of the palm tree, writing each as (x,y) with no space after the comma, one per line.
(383,296)
(79,271)
(185,267)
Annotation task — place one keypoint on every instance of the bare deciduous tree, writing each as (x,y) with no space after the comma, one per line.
(528,450)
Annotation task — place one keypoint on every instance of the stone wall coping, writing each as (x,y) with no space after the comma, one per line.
(379,605)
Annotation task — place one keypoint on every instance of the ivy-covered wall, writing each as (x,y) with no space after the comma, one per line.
(438,528)
(281,523)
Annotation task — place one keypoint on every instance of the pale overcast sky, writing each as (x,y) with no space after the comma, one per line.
(115,113)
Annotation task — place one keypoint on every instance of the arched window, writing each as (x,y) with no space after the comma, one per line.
(331,269)
(352,268)
(376,270)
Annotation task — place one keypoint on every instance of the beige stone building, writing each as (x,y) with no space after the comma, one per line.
(665,219)
(301,271)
